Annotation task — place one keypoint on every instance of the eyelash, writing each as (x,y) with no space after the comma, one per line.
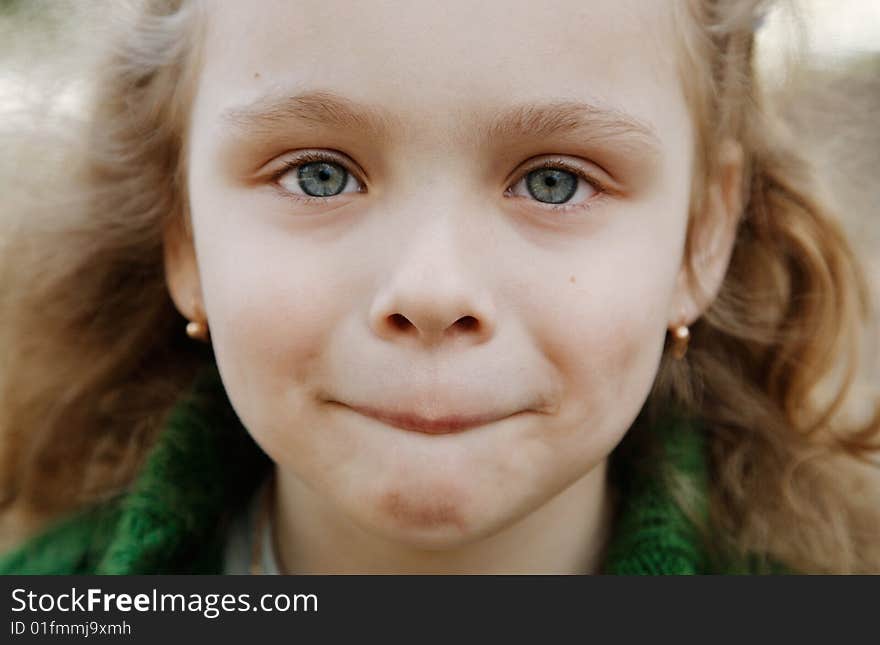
(309,157)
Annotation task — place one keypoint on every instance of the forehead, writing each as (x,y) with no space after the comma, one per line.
(441,63)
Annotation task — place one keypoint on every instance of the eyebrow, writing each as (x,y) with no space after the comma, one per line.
(319,107)
(535,120)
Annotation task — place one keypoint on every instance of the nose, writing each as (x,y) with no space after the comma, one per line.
(433,294)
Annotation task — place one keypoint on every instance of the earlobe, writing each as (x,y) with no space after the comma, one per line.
(181,271)
(712,238)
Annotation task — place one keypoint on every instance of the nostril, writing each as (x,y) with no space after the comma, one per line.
(400,322)
(468,323)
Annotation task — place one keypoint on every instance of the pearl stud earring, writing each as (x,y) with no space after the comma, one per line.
(197,330)
(682,337)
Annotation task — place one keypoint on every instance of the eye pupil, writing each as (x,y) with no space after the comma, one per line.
(551,185)
(322,178)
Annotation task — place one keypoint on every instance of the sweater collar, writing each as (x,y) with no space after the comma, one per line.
(205,465)
(652,534)
(202,468)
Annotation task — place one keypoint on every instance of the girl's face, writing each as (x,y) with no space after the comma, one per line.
(489,221)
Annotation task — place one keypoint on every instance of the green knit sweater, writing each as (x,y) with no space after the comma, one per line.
(175,516)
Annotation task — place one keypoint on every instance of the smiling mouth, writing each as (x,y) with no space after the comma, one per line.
(417,423)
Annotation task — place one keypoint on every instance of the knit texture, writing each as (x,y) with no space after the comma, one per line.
(205,466)
(652,535)
(173,519)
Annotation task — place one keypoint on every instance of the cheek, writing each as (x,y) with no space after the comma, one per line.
(606,335)
(265,324)
(610,361)
(270,315)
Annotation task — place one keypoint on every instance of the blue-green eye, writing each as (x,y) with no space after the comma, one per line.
(557,184)
(552,185)
(316,178)
(321,179)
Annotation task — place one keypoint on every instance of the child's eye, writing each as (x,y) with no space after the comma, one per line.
(316,176)
(556,183)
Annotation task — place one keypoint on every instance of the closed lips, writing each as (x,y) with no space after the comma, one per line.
(437,425)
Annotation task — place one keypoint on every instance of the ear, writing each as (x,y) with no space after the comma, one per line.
(712,238)
(182,270)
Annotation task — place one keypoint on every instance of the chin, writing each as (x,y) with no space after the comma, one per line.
(434,521)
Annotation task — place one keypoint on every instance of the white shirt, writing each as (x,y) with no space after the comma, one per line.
(239,542)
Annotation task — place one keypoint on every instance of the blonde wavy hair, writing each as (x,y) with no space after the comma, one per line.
(94,353)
